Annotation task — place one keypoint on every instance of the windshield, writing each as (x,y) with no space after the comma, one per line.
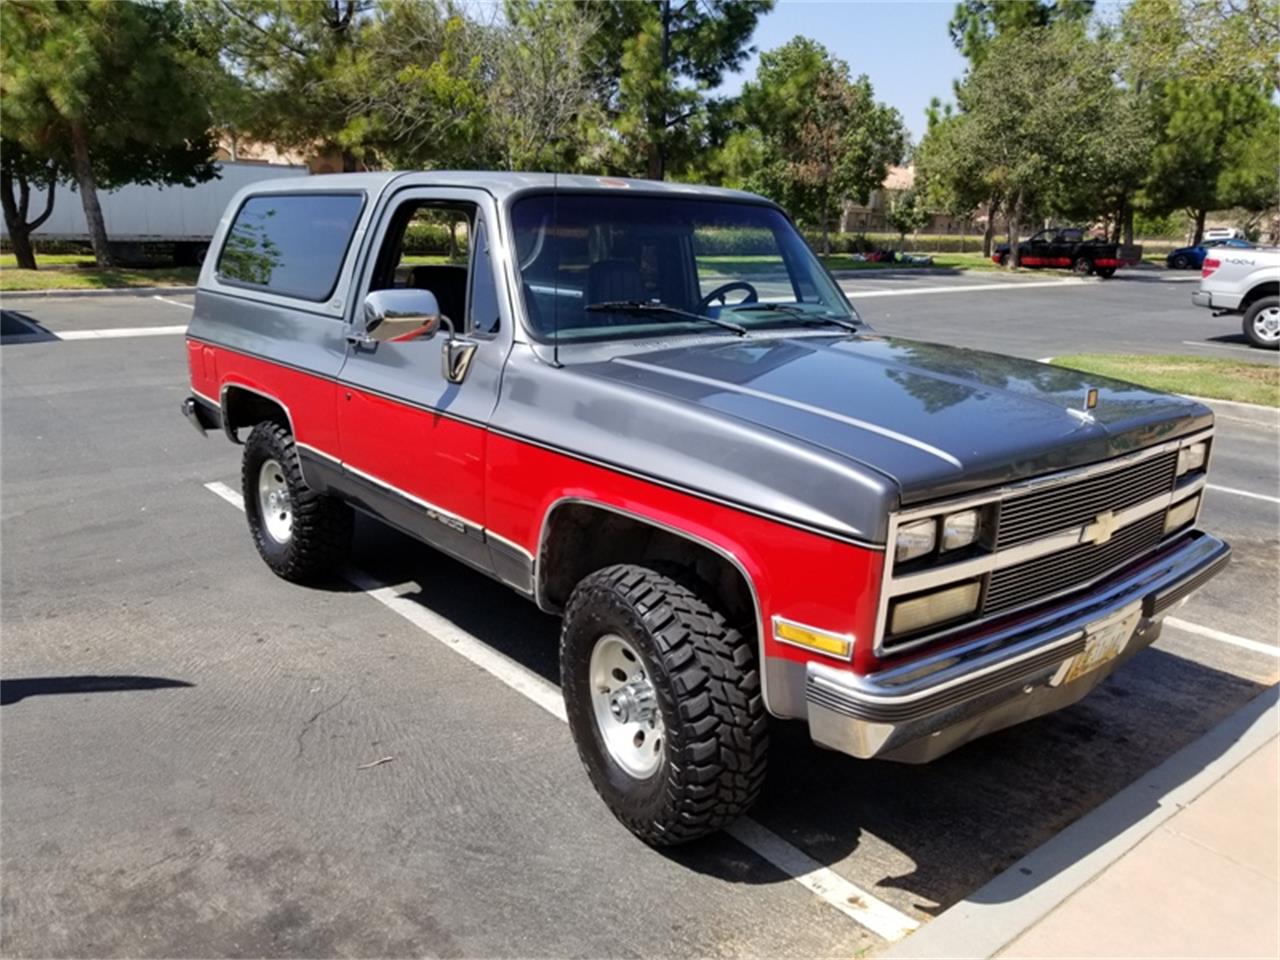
(604,266)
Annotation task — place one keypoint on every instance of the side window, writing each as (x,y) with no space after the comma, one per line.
(290,244)
(483,306)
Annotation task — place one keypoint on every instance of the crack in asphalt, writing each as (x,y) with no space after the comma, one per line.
(306,726)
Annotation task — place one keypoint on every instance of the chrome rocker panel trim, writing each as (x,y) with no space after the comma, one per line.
(923,708)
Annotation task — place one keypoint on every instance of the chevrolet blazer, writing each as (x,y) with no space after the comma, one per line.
(649,409)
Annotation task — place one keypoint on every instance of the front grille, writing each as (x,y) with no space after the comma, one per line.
(1057,572)
(1062,506)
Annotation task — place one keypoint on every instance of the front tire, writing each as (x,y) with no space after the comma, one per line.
(302,535)
(663,698)
(1262,323)
(1082,266)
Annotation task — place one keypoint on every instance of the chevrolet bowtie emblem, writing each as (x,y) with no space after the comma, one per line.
(1100,531)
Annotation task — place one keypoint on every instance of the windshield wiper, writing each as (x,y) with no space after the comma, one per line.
(654,306)
(799,314)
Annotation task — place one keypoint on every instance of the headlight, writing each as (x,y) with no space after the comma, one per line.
(1192,457)
(916,539)
(910,615)
(960,529)
(1180,514)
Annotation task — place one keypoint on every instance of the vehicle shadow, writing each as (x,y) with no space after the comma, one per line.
(934,833)
(14,690)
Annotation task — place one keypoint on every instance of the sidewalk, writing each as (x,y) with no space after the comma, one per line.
(1182,863)
(1203,884)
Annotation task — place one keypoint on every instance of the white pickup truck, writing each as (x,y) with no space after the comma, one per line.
(1245,282)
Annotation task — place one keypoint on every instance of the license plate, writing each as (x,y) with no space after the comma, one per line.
(1105,641)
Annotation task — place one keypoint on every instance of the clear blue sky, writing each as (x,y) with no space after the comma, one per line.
(903,47)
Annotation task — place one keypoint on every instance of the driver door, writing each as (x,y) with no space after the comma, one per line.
(413,410)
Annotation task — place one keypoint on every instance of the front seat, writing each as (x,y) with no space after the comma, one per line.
(609,280)
(448,283)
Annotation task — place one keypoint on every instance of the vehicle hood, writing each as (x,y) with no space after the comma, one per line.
(938,420)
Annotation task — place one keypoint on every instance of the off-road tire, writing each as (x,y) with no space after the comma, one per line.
(707,686)
(1251,317)
(320,539)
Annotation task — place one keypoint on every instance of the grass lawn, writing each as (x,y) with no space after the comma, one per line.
(51,260)
(13,280)
(1220,379)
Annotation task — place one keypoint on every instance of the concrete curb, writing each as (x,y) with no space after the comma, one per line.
(997,914)
(113,292)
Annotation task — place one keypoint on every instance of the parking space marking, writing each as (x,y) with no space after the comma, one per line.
(963,288)
(116,333)
(1222,636)
(1239,348)
(1243,493)
(175,303)
(859,905)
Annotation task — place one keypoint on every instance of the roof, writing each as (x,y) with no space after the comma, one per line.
(502,184)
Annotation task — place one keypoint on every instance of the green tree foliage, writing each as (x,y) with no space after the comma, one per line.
(823,138)
(952,172)
(976,23)
(1208,70)
(906,211)
(652,63)
(1203,41)
(111,93)
(1035,107)
(289,62)
(1217,148)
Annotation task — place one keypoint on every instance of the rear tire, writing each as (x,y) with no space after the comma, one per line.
(674,740)
(302,535)
(1262,323)
(1180,262)
(1106,273)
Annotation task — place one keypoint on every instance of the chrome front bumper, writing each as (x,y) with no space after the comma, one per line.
(925,707)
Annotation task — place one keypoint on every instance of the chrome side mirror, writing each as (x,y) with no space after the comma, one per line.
(396,313)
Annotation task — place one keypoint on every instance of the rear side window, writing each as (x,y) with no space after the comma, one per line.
(292,245)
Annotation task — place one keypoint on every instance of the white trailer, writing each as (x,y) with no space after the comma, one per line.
(140,214)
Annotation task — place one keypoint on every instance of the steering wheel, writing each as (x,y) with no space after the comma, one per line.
(720,292)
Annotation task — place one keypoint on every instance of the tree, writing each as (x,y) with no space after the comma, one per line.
(952,172)
(1203,41)
(652,62)
(110,92)
(976,23)
(413,94)
(1034,107)
(906,212)
(290,63)
(1216,149)
(541,102)
(19,169)
(824,137)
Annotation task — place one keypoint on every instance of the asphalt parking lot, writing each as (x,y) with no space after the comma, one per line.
(189,745)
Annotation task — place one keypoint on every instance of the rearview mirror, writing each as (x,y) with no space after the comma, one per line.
(397,313)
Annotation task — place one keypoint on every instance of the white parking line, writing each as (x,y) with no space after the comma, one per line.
(1238,348)
(961,288)
(1243,493)
(851,900)
(1223,637)
(116,333)
(175,303)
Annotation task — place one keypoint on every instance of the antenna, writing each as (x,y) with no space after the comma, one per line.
(555,277)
